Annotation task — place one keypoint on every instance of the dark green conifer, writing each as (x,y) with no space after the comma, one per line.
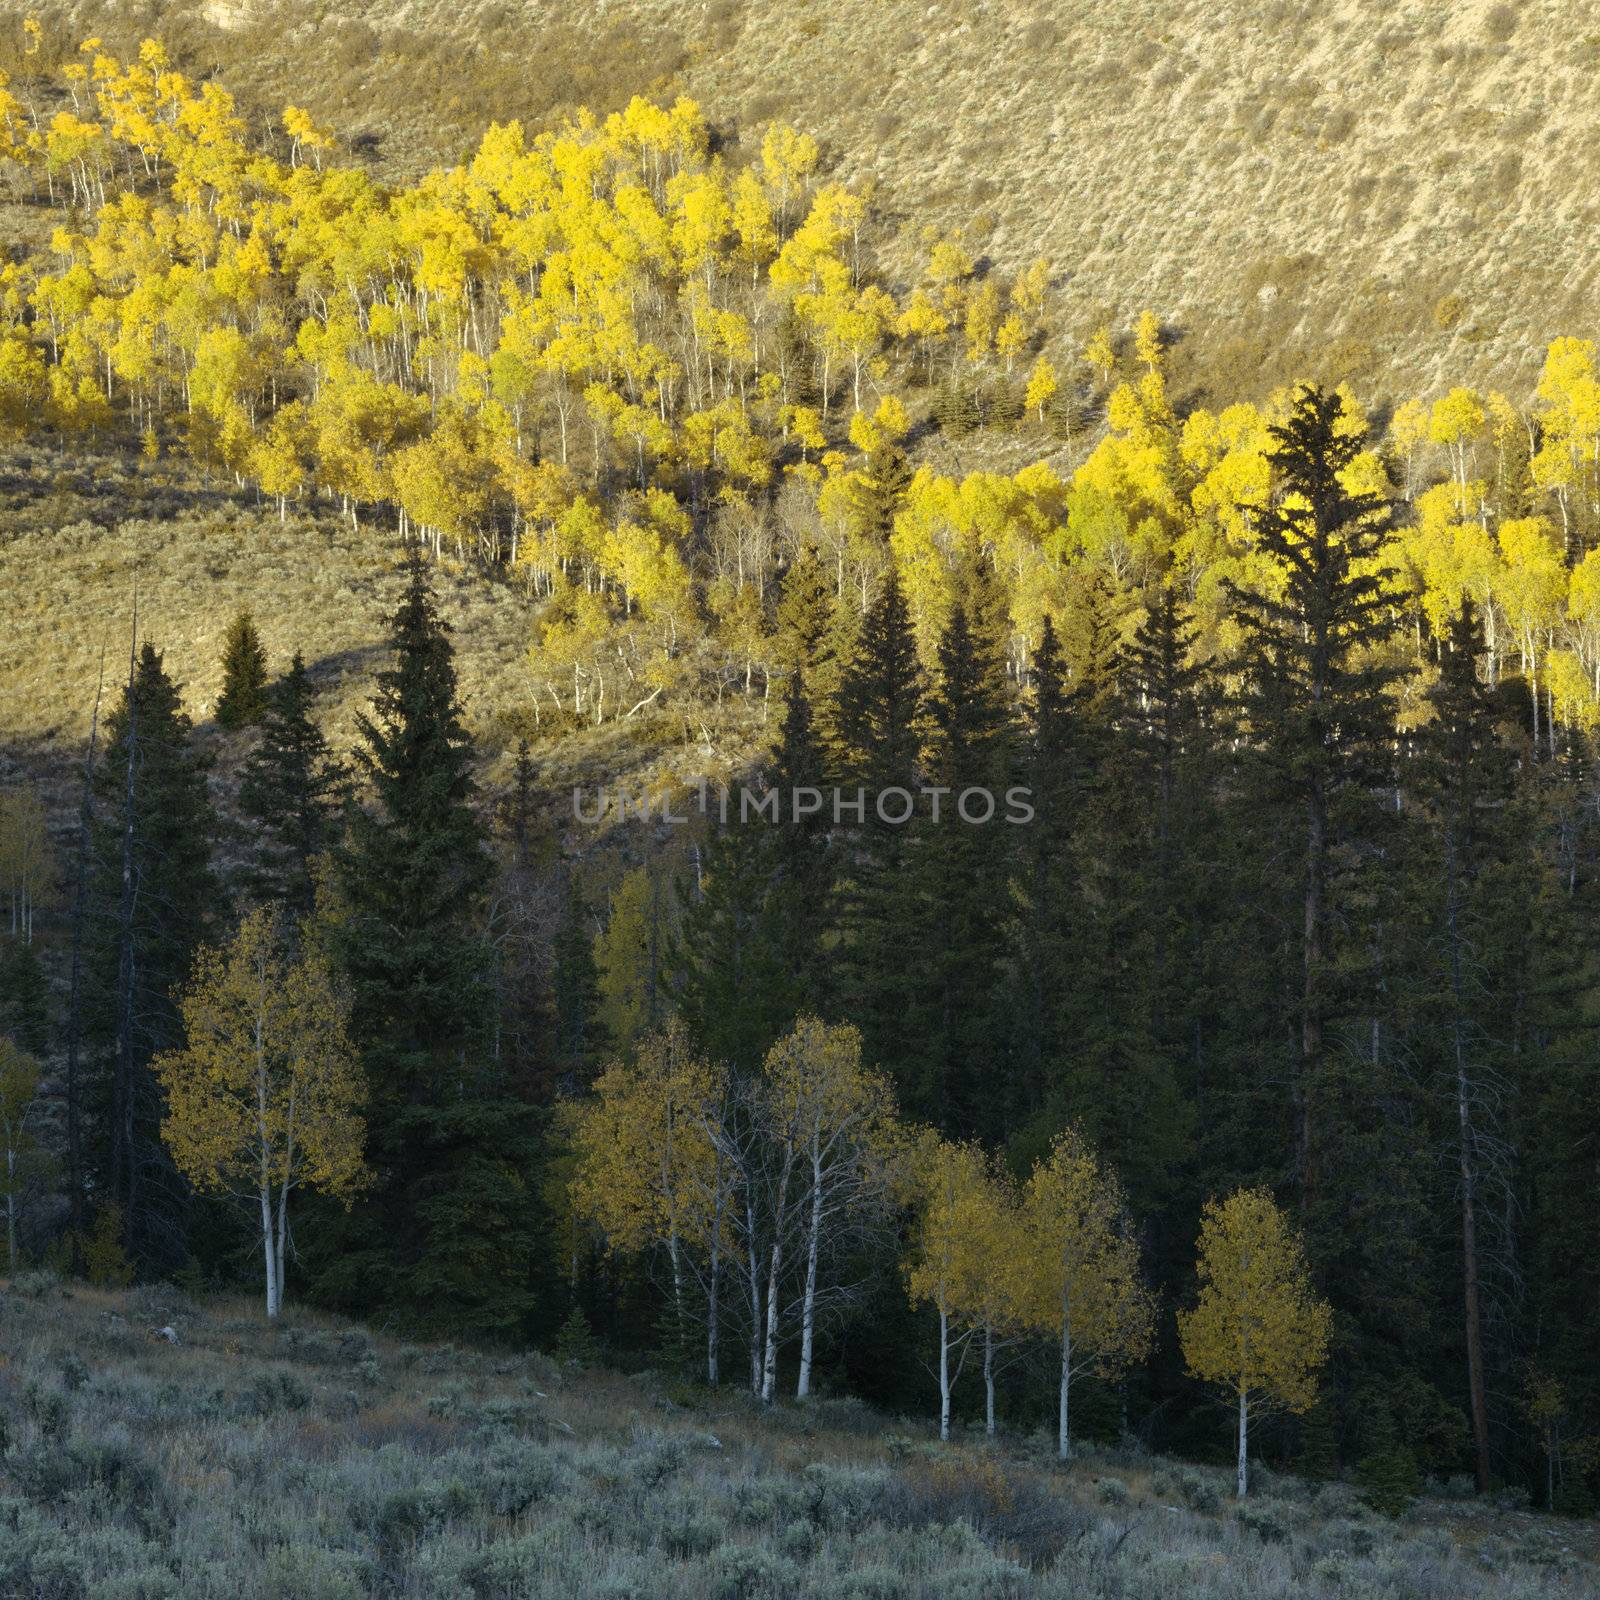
(243,701)
(445,1240)
(290,790)
(154,900)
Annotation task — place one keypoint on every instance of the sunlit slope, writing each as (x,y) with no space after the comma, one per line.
(1361,189)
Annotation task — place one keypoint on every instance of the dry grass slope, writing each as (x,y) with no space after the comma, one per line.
(1298,186)
(319,1461)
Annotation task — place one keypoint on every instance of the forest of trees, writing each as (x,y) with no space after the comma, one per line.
(1272,1031)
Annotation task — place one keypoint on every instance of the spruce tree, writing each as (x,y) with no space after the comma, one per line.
(445,1239)
(525,1038)
(1464,780)
(580,1039)
(1029,1037)
(1314,705)
(24,996)
(880,724)
(964,868)
(750,954)
(291,789)
(881,492)
(243,701)
(154,899)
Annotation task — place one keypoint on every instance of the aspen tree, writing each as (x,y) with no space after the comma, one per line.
(265,1097)
(830,1125)
(1086,1289)
(648,1170)
(1258,1331)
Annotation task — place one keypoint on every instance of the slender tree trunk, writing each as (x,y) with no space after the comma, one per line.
(1244,1443)
(769,1359)
(80,911)
(1311,1017)
(1464,1155)
(988,1379)
(11,1207)
(808,1316)
(267,1249)
(755,1296)
(945,1384)
(1063,1426)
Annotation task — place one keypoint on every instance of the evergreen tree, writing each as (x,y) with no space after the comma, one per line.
(1029,1037)
(1314,706)
(154,900)
(1464,779)
(580,1040)
(445,1240)
(964,868)
(290,789)
(880,723)
(24,997)
(750,951)
(243,701)
(881,492)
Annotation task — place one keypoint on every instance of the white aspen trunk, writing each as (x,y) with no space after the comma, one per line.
(677,1280)
(282,1241)
(769,1357)
(755,1298)
(266,1248)
(1063,1430)
(988,1379)
(712,1311)
(944,1373)
(11,1208)
(1244,1443)
(808,1315)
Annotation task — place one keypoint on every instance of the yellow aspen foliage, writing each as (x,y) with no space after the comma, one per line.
(1147,339)
(1258,1330)
(969,1257)
(1101,353)
(982,320)
(1042,385)
(835,1139)
(1011,339)
(1029,289)
(266,1095)
(1086,1291)
(304,134)
(1458,422)
(788,159)
(643,1148)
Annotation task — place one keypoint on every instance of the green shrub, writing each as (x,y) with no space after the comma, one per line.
(1266,1522)
(37,1559)
(47,1409)
(298,1572)
(740,1572)
(111,1464)
(1389,1479)
(271,1393)
(876,1582)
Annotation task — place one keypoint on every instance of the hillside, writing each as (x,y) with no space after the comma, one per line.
(1359,190)
(152,1446)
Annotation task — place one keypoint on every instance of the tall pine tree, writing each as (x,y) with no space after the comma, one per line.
(154,899)
(445,1241)
(291,789)
(243,701)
